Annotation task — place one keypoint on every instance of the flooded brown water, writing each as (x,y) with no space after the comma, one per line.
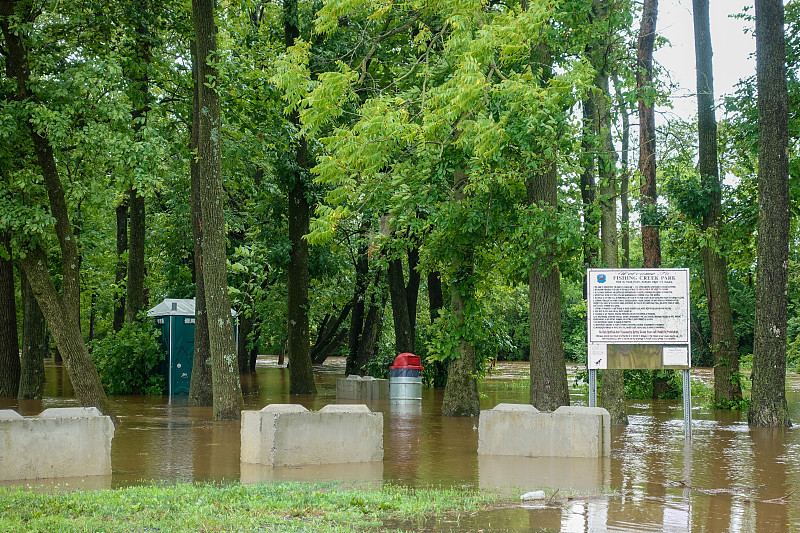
(728,478)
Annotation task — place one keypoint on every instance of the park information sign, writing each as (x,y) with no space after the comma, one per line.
(638,318)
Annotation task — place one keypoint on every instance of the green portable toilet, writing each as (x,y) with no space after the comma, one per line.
(175,319)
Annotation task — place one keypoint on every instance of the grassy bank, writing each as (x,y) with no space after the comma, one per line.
(213,508)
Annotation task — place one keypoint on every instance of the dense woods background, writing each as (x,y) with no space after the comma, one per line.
(368,178)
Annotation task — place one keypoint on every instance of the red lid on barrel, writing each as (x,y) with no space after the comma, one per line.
(407,360)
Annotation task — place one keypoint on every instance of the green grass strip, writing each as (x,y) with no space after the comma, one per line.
(293,507)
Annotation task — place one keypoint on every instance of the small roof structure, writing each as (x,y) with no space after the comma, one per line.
(176,307)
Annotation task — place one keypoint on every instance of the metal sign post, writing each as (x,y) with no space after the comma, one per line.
(639,319)
(593,387)
(687,404)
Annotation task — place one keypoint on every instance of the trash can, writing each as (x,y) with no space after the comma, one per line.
(405,379)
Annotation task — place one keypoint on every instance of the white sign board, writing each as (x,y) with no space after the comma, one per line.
(639,307)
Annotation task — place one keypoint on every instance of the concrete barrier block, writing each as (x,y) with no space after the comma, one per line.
(345,408)
(65,442)
(284,408)
(517,407)
(292,437)
(363,388)
(522,430)
(70,412)
(10,414)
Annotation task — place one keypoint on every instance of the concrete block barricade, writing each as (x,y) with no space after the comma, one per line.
(290,435)
(60,442)
(363,388)
(522,430)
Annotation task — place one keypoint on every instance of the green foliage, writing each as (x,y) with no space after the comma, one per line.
(793,345)
(129,361)
(378,366)
(687,190)
(573,321)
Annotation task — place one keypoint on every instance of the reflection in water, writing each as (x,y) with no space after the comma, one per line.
(727,478)
(369,474)
(583,474)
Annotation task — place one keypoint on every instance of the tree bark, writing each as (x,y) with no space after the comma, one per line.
(768,406)
(134,299)
(435,304)
(461,392)
(404,342)
(301,373)
(9,339)
(121,271)
(591,229)
(613,391)
(34,344)
(66,333)
(224,370)
(141,100)
(373,322)
(242,348)
(548,389)
(651,242)
(435,295)
(62,312)
(624,178)
(330,335)
(200,385)
(727,386)
(412,289)
(357,314)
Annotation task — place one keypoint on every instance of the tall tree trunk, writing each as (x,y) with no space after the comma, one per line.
(66,333)
(412,289)
(242,348)
(34,344)
(404,342)
(768,406)
(613,391)
(624,178)
(436,303)
(727,386)
(549,389)
(224,371)
(200,385)
(92,315)
(141,100)
(651,242)
(591,229)
(301,373)
(134,298)
(62,312)
(121,271)
(435,295)
(461,392)
(9,339)
(372,323)
(357,314)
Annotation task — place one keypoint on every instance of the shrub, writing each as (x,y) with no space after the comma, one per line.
(128,361)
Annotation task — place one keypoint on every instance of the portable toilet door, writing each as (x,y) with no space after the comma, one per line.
(182,351)
(175,318)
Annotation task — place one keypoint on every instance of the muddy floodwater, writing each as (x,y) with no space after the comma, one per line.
(727,478)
